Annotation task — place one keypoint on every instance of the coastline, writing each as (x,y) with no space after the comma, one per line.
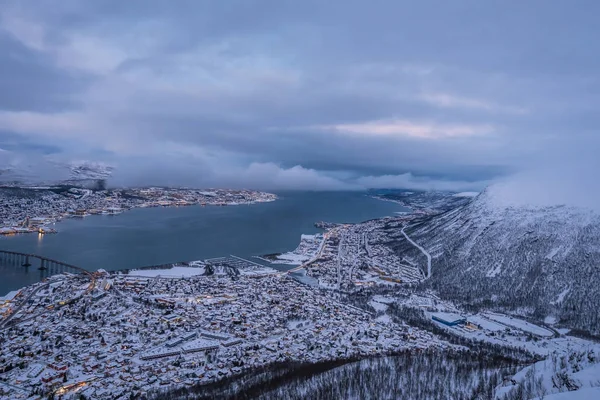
(41,225)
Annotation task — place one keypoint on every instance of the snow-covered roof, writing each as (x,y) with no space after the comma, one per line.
(10,295)
(448,317)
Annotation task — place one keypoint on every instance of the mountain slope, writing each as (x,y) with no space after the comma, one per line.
(538,261)
(47,171)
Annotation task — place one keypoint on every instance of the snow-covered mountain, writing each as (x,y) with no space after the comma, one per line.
(574,375)
(89,170)
(48,171)
(539,261)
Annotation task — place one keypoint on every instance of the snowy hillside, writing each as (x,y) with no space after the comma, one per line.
(47,171)
(539,261)
(89,170)
(571,376)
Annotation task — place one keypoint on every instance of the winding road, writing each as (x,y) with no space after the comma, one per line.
(422,250)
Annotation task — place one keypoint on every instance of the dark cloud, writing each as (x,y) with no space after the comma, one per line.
(29,81)
(340,93)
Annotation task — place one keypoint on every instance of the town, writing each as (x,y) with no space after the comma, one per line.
(353,291)
(107,336)
(349,257)
(37,209)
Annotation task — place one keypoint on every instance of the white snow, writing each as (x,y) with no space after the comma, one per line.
(466,194)
(10,295)
(578,362)
(589,376)
(378,306)
(561,296)
(494,272)
(292,258)
(519,324)
(422,250)
(309,247)
(384,319)
(583,394)
(299,324)
(259,271)
(552,253)
(486,323)
(550,320)
(384,299)
(175,272)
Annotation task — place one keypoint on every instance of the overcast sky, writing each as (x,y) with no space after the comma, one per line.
(299,94)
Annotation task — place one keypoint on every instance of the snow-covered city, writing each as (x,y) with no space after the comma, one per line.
(112,335)
(348,295)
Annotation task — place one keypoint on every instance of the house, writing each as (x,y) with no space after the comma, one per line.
(9,297)
(36,222)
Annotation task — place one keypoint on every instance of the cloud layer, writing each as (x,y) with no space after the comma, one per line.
(312,94)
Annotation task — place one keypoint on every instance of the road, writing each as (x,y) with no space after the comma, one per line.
(13,386)
(317,255)
(422,250)
(23,303)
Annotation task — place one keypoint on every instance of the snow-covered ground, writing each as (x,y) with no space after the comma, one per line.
(422,250)
(561,296)
(573,374)
(259,271)
(583,394)
(466,194)
(378,306)
(519,324)
(486,323)
(175,272)
(308,248)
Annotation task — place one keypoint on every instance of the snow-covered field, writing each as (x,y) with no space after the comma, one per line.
(486,323)
(520,324)
(175,272)
(378,306)
(258,271)
(573,374)
(308,248)
(466,194)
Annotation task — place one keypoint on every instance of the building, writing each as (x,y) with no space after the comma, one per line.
(9,297)
(181,339)
(37,222)
(449,319)
(113,210)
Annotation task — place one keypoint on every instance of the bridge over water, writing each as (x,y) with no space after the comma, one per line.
(44,264)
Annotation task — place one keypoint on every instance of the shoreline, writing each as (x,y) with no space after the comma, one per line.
(113,211)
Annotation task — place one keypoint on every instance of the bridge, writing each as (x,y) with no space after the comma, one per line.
(46,264)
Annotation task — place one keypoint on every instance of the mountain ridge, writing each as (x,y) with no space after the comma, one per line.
(535,260)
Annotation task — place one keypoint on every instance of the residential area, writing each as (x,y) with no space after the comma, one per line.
(134,334)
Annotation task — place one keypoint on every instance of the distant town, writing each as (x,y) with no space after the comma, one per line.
(36,209)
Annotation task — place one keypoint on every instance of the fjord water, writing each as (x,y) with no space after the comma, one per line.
(151,236)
